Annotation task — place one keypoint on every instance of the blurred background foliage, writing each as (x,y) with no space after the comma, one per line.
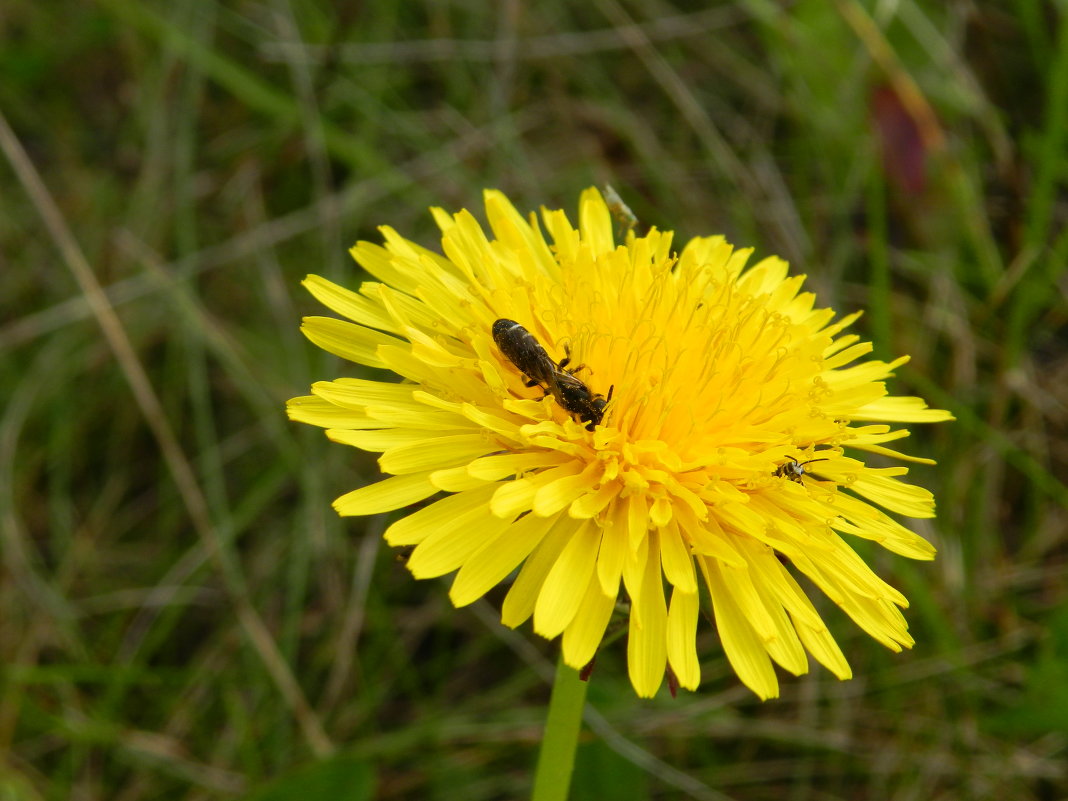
(181,614)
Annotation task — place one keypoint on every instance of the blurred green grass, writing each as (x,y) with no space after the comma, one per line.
(234,639)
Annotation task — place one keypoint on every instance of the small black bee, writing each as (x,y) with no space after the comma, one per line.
(521,348)
(577,398)
(794,469)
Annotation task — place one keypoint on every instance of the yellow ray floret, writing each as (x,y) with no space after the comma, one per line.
(665,430)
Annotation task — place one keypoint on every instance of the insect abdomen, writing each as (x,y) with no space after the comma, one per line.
(521,348)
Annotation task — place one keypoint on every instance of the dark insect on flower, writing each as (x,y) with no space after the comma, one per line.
(521,348)
(577,398)
(794,469)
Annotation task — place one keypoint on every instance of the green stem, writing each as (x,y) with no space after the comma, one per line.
(552,780)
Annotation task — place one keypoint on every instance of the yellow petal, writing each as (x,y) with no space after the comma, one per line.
(741,645)
(647,637)
(552,496)
(347,340)
(860,374)
(613,550)
(497,557)
(524,494)
(881,620)
(774,576)
(682,638)
(455,479)
(450,545)
(520,600)
(566,582)
(435,453)
(385,495)
(868,522)
(878,616)
(358,392)
(637,520)
(785,647)
(709,540)
(379,262)
(349,304)
(822,646)
(660,512)
(318,412)
(420,524)
(900,409)
(677,560)
(749,602)
(905,499)
(381,439)
(510,228)
(590,504)
(393,415)
(844,355)
(595,221)
(765,276)
(891,453)
(507,465)
(635,563)
(513,497)
(586,630)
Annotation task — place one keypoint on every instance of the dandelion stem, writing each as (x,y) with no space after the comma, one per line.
(557,756)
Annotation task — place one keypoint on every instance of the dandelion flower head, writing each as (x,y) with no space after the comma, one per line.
(727,457)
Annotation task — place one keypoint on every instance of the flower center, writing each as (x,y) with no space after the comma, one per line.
(696,361)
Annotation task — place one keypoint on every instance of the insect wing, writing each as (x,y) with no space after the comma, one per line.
(521,348)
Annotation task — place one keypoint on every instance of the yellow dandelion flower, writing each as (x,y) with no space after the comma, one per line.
(623,421)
